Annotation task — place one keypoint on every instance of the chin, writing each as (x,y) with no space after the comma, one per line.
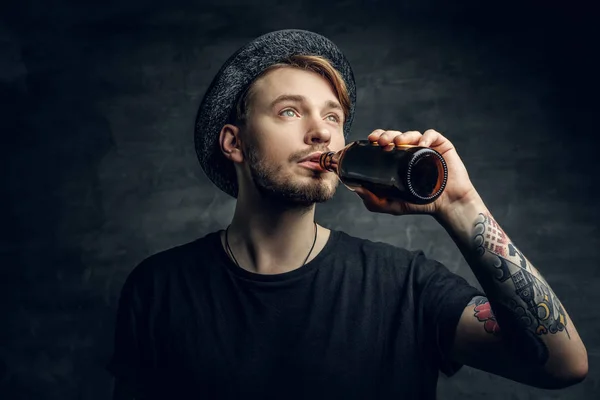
(292,190)
(320,191)
(303,194)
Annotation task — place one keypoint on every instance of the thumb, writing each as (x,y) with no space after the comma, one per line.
(360,192)
(366,194)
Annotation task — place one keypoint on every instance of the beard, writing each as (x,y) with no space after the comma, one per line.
(287,190)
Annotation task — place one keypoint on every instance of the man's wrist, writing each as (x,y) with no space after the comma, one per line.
(460,215)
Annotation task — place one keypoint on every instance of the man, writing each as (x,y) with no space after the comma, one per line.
(276,306)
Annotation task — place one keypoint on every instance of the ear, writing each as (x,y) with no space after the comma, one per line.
(231,146)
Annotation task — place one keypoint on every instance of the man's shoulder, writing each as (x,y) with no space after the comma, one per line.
(376,254)
(374,247)
(173,258)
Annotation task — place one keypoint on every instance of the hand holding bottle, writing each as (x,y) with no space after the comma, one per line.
(458,187)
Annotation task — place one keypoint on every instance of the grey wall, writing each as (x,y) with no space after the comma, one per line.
(98,105)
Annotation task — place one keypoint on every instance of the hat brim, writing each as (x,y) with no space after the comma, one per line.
(243,67)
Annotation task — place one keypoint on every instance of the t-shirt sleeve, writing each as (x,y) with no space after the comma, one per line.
(133,356)
(442,298)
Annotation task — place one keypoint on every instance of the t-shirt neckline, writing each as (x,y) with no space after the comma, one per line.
(313,264)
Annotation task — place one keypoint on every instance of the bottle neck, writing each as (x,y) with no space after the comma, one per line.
(330,161)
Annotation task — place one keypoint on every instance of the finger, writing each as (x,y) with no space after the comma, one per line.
(365,194)
(360,192)
(374,136)
(383,137)
(434,139)
(377,204)
(430,136)
(386,140)
(408,137)
(370,200)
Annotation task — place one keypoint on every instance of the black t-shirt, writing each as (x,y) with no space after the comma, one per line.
(362,320)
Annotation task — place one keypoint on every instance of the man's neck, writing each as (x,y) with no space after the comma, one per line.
(266,239)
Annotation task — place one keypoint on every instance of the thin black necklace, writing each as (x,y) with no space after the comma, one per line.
(236,263)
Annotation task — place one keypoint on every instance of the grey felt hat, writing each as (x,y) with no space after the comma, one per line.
(236,75)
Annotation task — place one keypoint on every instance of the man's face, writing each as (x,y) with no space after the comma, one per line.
(280,133)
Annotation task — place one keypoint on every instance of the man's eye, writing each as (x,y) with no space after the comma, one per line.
(290,113)
(335,117)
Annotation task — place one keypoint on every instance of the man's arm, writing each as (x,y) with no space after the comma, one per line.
(520,330)
(534,341)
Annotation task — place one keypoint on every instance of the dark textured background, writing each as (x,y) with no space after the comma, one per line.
(98,167)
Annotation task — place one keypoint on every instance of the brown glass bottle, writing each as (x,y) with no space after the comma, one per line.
(417,175)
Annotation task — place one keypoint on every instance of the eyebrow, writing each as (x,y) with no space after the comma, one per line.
(299,99)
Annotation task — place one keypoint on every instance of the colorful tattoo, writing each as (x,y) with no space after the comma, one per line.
(535,306)
(485,314)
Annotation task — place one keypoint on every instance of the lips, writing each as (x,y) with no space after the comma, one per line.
(314,157)
(311,165)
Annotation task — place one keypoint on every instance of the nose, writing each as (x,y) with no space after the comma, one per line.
(318,132)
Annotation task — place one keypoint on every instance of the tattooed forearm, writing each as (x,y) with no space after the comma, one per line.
(519,313)
(544,312)
(523,303)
